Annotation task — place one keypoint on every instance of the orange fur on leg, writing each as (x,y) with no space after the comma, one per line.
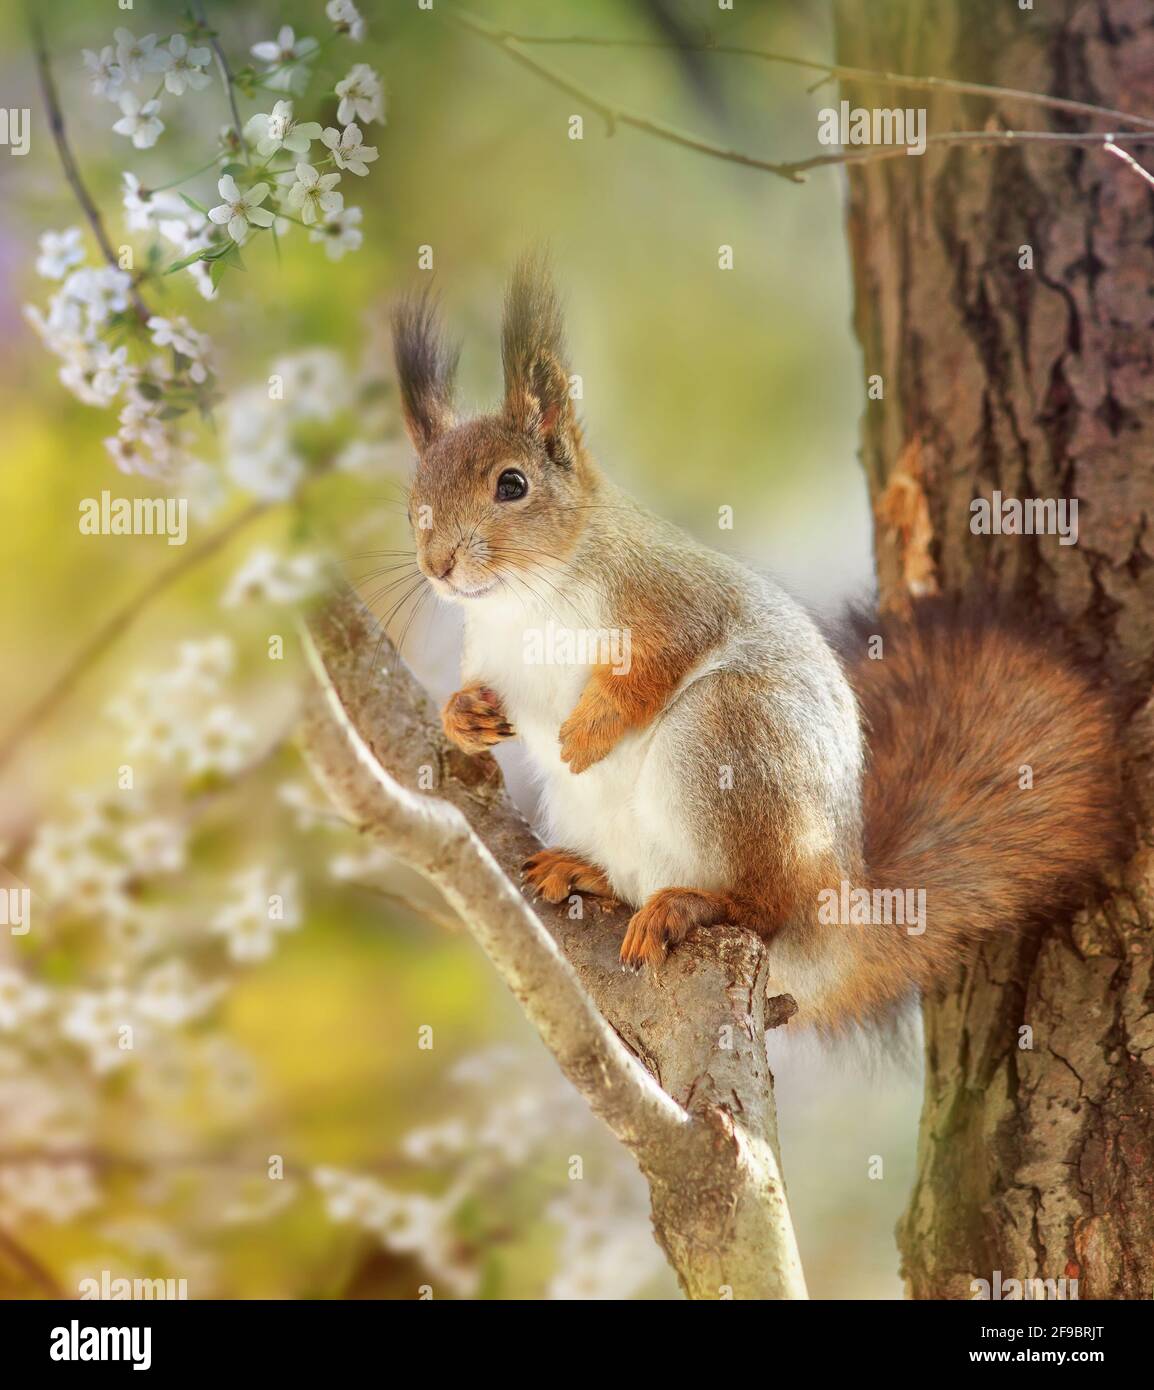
(615,702)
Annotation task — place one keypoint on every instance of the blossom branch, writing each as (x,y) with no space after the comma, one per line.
(677,1070)
(67,159)
(225,74)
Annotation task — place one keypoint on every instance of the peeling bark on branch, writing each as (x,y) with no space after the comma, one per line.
(673,1062)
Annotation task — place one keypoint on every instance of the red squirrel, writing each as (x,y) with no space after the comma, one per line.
(734,768)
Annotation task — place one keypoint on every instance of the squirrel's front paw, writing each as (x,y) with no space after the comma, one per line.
(586,739)
(474,719)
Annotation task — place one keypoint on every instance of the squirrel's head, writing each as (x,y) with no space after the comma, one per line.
(503,495)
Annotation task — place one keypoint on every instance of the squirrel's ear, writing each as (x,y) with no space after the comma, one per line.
(537,399)
(425,370)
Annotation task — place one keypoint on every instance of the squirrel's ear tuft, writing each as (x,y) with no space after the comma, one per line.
(533,355)
(425,369)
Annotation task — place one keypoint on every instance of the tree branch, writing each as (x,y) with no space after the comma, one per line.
(113,627)
(843,73)
(674,1064)
(795,170)
(609,112)
(225,73)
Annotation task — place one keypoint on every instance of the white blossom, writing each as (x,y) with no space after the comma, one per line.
(221,742)
(239,210)
(170,994)
(271,473)
(289,57)
(95,1019)
(277,130)
(20,1000)
(316,384)
(180,335)
(59,252)
(346,19)
(261,907)
(340,233)
(106,73)
(97,376)
(202,666)
(313,194)
(155,845)
(349,151)
(59,1192)
(145,210)
(268,577)
(361,94)
(140,120)
(132,54)
(182,66)
(100,290)
(202,485)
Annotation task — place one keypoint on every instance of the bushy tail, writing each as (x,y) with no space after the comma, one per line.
(992,777)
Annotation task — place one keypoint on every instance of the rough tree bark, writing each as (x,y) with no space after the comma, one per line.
(673,1062)
(1036,381)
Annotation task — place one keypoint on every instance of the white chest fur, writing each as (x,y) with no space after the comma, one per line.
(616,813)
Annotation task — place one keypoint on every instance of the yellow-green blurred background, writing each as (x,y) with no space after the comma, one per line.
(703,387)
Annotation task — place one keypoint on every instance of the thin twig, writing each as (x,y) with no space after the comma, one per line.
(225,73)
(610,113)
(71,171)
(1111,148)
(850,74)
(973,139)
(795,170)
(119,622)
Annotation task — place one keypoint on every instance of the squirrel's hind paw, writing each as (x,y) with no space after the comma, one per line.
(668,917)
(554,874)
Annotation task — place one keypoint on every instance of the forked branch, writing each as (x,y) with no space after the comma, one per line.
(675,1065)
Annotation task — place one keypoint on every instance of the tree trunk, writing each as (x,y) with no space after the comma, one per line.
(1028,372)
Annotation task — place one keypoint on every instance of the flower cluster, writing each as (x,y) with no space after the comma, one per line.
(180,718)
(279,172)
(158,369)
(174,66)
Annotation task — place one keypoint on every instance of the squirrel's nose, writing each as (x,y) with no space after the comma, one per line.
(449,563)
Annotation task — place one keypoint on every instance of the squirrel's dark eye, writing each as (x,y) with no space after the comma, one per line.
(511,485)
